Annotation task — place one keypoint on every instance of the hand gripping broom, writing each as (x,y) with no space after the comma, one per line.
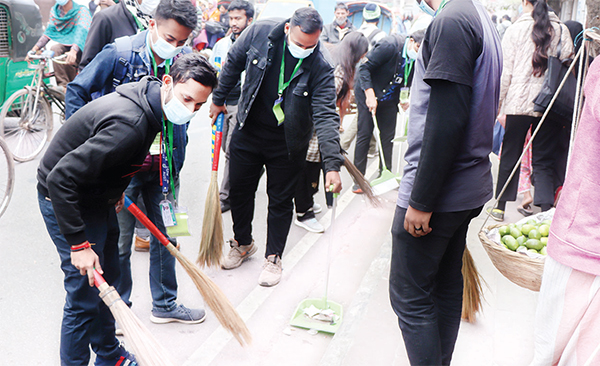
(214,297)
(211,243)
(147,350)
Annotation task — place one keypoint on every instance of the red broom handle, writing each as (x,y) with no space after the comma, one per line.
(98,279)
(217,142)
(135,211)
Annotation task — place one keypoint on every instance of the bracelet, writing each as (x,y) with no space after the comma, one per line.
(77,248)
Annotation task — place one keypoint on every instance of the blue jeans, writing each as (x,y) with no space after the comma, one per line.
(163,281)
(426,284)
(86,319)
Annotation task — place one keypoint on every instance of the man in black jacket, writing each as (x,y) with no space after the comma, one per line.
(81,177)
(383,74)
(288,90)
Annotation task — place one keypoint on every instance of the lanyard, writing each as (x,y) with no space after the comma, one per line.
(155,67)
(282,86)
(166,159)
(407,69)
(442,5)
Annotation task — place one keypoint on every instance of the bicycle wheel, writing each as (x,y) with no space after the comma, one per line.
(24,129)
(7,175)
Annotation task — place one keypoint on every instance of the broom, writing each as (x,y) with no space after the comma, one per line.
(211,243)
(360,179)
(147,350)
(214,297)
(472,288)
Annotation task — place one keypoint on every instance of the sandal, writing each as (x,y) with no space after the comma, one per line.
(525,210)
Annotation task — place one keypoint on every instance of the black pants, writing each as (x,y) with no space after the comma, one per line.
(386,115)
(426,285)
(544,157)
(308,185)
(248,153)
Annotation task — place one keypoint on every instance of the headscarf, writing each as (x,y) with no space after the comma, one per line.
(71,28)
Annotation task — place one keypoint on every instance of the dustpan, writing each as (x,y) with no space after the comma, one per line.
(387,181)
(322,314)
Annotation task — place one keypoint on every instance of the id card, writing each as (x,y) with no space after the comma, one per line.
(278,112)
(404,95)
(181,228)
(168,215)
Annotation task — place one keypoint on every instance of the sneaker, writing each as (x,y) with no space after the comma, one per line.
(124,359)
(180,314)
(311,225)
(271,273)
(356,189)
(317,208)
(142,245)
(237,254)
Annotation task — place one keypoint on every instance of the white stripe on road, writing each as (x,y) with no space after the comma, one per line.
(215,343)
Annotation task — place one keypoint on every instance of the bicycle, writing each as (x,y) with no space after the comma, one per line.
(26,121)
(7,175)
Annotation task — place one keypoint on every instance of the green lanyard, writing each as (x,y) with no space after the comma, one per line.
(167,146)
(442,5)
(155,66)
(282,86)
(407,70)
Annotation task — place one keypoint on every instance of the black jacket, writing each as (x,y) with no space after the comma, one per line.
(107,25)
(382,65)
(93,156)
(309,99)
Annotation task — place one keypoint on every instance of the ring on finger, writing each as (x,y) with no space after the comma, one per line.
(418,228)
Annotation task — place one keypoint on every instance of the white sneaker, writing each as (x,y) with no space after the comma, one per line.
(271,273)
(317,208)
(237,254)
(311,225)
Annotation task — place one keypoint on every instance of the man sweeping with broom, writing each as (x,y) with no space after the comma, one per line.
(447,179)
(84,173)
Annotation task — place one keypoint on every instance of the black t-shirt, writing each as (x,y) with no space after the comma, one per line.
(261,115)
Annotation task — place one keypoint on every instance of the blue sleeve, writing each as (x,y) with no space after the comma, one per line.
(93,78)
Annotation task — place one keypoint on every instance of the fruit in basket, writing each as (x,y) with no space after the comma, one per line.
(521,248)
(510,242)
(521,240)
(515,233)
(532,222)
(503,230)
(544,230)
(534,244)
(544,251)
(544,240)
(533,251)
(527,228)
(535,234)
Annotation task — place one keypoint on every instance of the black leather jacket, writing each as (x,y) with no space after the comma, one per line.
(308,101)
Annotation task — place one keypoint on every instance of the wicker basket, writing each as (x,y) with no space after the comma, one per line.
(518,268)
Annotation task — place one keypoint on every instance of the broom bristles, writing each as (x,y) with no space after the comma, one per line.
(472,289)
(215,299)
(146,349)
(359,178)
(211,243)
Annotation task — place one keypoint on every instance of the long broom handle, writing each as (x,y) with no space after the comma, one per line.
(331,237)
(135,211)
(217,141)
(378,138)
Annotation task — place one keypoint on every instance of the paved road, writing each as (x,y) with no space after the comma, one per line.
(31,293)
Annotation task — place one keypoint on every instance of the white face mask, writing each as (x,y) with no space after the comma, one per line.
(297,51)
(164,49)
(176,112)
(412,53)
(148,6)
(426,8)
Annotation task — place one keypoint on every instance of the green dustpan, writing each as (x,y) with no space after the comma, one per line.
(302,318)
(387,181)
(321,314)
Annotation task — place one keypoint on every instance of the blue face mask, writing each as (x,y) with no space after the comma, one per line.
(176,112)
(297,51)
(426,8)
(62,2)
(164,49)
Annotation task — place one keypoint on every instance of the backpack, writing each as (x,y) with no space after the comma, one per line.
(371,37)
(123,72)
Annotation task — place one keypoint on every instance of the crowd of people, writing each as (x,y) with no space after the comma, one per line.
(285,87)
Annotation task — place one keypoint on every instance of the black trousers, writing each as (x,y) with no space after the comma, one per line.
(386,115)
(426,284)
(249,151)
(308,185)
(544,160)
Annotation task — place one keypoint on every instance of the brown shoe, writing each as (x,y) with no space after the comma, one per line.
(271,273)
(237,254)
(142,245)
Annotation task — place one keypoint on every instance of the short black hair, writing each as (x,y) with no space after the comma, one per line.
(418,36)
(243,5)
(341,6)
(193,66)
(182,11)
(308,19)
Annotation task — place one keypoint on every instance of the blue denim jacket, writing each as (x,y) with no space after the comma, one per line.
(98,79)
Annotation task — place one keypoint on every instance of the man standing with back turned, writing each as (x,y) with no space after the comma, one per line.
(447,178)
(288,90)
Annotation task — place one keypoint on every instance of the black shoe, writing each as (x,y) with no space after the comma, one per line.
(225,206)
